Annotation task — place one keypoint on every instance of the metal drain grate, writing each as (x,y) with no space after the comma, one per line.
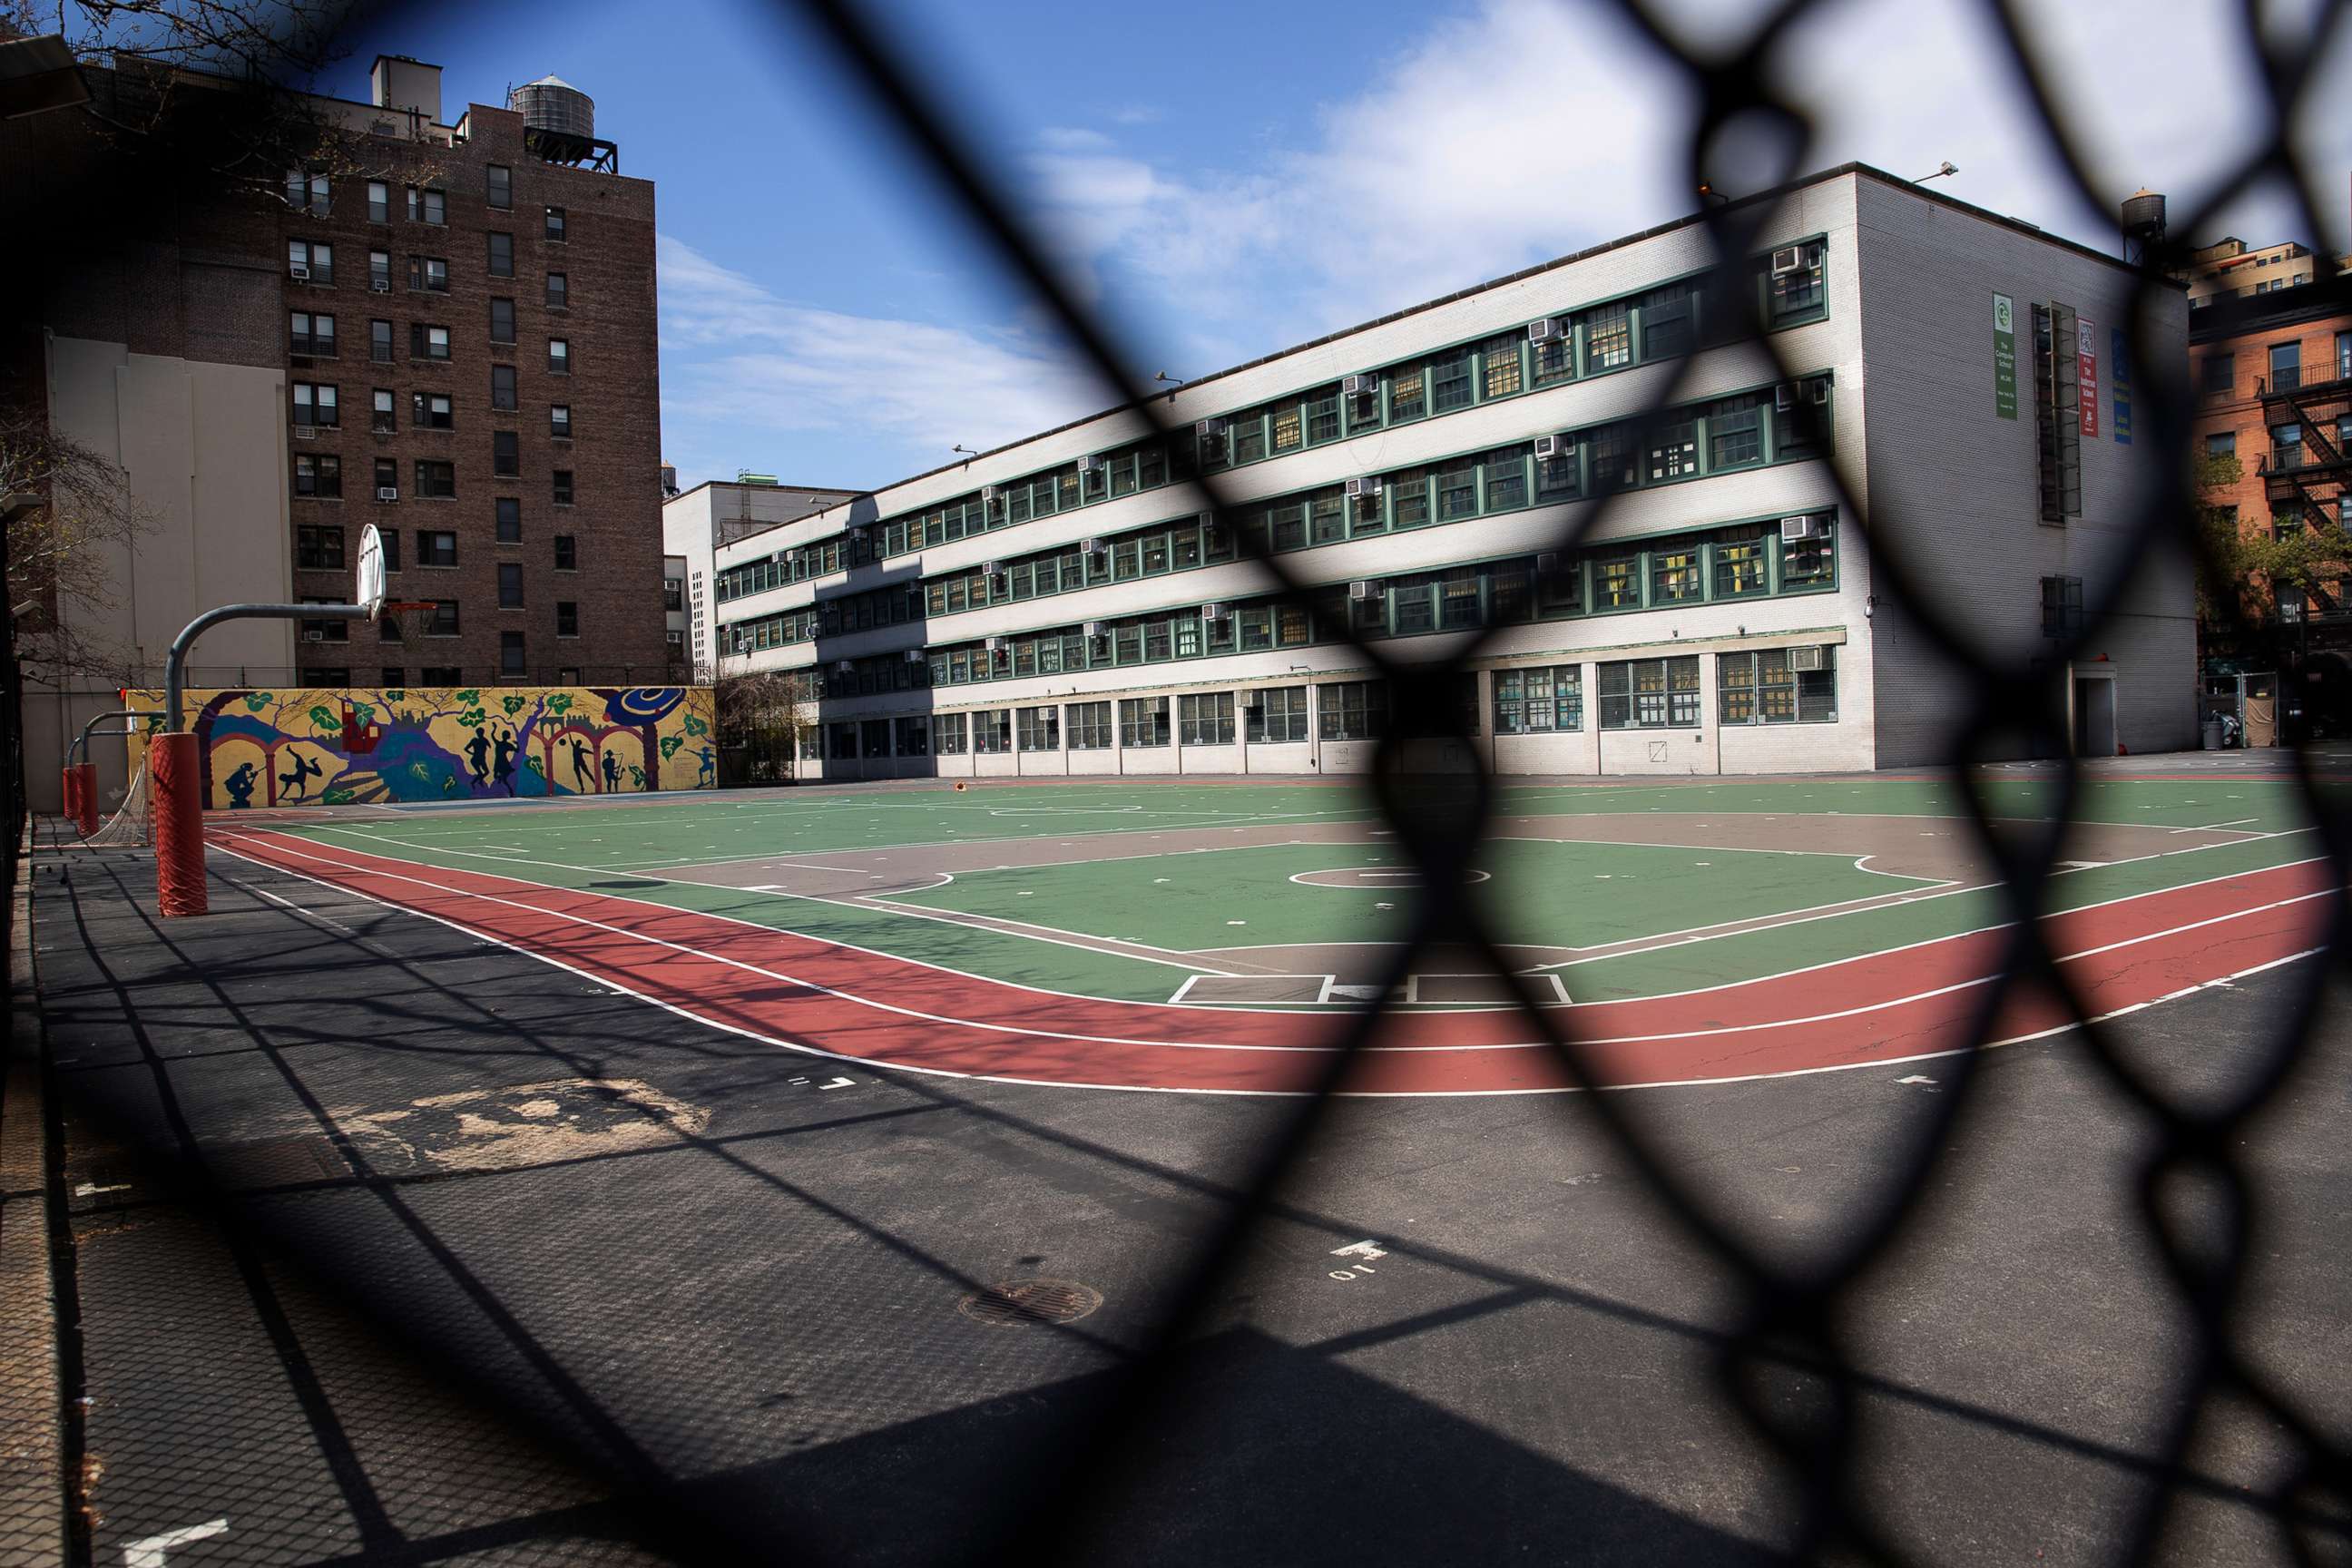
(1019,1302)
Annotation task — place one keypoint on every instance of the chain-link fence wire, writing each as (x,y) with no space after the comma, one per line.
(2193,1193)
(1785,1363)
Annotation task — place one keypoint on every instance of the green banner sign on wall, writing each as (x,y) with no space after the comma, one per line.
(2004,358)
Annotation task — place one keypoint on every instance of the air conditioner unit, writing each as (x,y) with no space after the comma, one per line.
(1094,547)
(996,645)
(298,271)
(1787,258)
(1549,330)
(1212,612)
(1548,562)
(914,656)
(1360,385)
(1795,528)
(1367,485)
(1553,447)
(843,667)
(1363,589)
(1095,630)
(387,492)
(380,286)
(1208,428)
(1821,390)
(1805,660)
(314,634)
(1086,464)
(1784,396)
(987,493)
(991,568)
(306,432)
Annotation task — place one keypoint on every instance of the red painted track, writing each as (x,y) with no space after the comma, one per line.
(799,991)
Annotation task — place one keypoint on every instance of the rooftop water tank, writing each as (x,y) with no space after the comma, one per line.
(555,105)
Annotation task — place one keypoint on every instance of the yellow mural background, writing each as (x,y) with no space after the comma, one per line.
(305,745)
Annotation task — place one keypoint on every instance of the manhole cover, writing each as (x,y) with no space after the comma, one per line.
(1019,1302)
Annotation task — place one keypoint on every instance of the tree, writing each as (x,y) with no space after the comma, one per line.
(2242,570)
(761,717)
(63,555)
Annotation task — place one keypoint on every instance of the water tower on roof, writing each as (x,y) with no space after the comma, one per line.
(2143,228)
(559,125)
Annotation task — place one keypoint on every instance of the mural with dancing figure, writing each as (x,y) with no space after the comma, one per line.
(312,746)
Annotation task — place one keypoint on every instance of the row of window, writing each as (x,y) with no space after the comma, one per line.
(311,191)
(1757,688)
(1748,430)
(2218,371)
(318,405)
(312,261)
(319,546)
(442,621)
(1662,322)
(319,476)
(312,333)
(1744,561)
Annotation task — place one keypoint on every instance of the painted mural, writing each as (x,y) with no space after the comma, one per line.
(335,746)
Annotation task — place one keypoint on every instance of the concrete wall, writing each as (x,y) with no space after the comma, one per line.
(205,447)
(1957,487)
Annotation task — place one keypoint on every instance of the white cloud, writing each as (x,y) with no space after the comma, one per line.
(740,364)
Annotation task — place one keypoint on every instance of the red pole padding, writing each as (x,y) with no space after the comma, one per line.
(85,797)
(175,782)
(71,776)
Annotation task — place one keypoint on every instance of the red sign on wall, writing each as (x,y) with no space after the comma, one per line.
(2086,376)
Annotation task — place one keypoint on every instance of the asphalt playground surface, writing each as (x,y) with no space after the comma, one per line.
(394,1240)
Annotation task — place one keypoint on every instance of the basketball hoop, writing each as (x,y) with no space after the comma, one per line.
(405,618)
(367,588)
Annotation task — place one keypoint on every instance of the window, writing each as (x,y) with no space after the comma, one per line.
(498,182)
(2286,446)
(1617,583)
(378,270)
(379,202)
(992,731)
(1667,329)
(913,736)
(501,255)
(503,397)
(1040,728)
(380,342)
(567,553)
(502,321)
(510,584)
(437,481)
(2217,375)
(1795,291)
(1766,687)
(1352,709)
(327,675)
(511,656)
(427,341)
(315,404)
(559,356)
(1406,386)
(563,478)
(325,630)
(311,335)
(2344,356)
(391,677)
(1449,381)
(567,620)
(2286,366)
(1673,451)
(427,204)
(320,477)
(948,734)
(559,421)
(319,547)
(1810,562)
(1505,473)
(381,416)
(1650,694)
(1540,701)
(1278,714)
(1500,361)
(1608,337)
(1735,434)
(390,539)
(431,411)
(2058,440)
(309,259)
(1739,562)
(2221,444)
(429,272)
(555,224)
(505,453)
(441,675)
(510,511)
(436,547)
(559,292)
(1204,719)
(387,478)
(1674,572)
(1143,722)
(442,620)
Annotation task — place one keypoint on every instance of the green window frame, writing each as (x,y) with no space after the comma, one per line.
(1650,693)
(1204,719)
(1352,709)
(1544,700)
(1143,722)
(1278,715)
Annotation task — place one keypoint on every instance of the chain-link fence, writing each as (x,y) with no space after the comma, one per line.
(1793,1318)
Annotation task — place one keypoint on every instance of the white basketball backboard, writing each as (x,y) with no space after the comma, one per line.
(369,588)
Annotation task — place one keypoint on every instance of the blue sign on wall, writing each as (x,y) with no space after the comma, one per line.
(2119,370)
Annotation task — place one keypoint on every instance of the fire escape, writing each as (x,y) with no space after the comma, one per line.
(2309,474)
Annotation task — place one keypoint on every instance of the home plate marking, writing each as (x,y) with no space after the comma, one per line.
(154,1551)
(1488,988)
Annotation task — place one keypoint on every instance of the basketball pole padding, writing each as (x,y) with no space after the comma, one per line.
(176,782)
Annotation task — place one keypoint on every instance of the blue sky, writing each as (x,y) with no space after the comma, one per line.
(1224,179)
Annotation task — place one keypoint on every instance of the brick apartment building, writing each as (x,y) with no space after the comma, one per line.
(446,330)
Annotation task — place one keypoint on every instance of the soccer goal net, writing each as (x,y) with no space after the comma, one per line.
(128,828)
